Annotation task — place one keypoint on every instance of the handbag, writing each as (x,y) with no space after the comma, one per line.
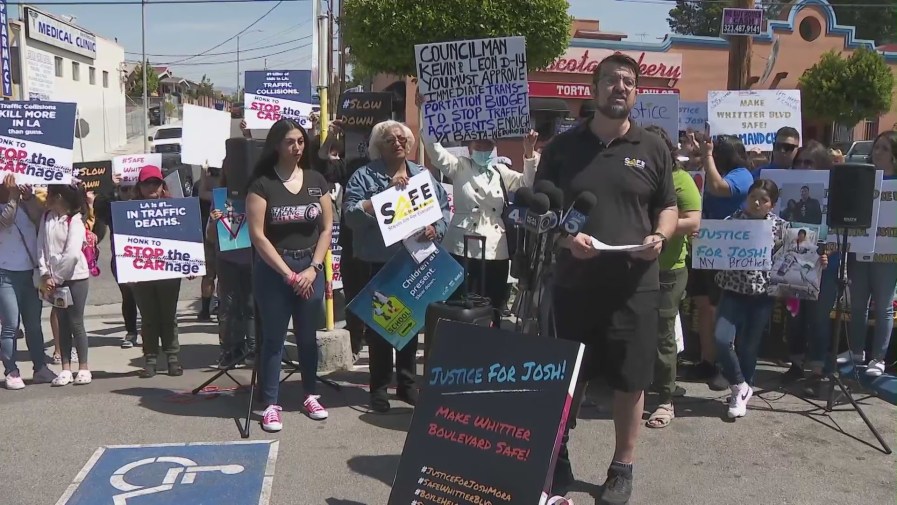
(510,225)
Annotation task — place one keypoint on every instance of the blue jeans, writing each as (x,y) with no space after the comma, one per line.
(746,316)
(19,302)
(875,281)
(277,303)
(811,329)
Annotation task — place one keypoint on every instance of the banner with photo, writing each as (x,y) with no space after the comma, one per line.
(158,239)
(754,116)
(401,212)
(796,267)
(394,302)
(128,166)
(96,176)
(271,95)
(233,231)
(803,199)
(473,89)
(36,140)
(886,239)
(733,244)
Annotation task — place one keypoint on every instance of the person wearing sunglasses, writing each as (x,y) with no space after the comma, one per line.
(784,150)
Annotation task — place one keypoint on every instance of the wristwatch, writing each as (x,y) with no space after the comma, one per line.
(317,266)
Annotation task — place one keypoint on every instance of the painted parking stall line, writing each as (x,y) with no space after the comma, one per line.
(160,474)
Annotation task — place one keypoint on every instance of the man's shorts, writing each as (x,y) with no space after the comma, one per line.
(703,283)
(620,330)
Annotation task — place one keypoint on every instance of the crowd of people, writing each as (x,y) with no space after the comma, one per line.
(623,306)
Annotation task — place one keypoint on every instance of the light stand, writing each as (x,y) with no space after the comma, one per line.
(834,375)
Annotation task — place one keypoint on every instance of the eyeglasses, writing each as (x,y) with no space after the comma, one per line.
(804,163)
(392,140)
(612,80)
(784,147)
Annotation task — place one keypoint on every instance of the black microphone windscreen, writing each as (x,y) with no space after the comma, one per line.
(523,197)
(543,186)
(540,203)
(585,201)
(555,198)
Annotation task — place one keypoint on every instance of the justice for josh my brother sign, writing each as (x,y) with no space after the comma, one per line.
(36,140)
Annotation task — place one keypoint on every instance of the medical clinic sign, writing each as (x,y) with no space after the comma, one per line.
(49,30)
(578,60)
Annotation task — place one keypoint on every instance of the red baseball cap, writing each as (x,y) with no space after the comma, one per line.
(149,172)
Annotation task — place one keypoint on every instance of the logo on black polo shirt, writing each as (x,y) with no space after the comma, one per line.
(634,163)
(315,192)
(295,213)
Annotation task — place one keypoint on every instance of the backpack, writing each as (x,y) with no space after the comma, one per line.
(89,248)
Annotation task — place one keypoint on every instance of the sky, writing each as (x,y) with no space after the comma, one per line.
(283,38)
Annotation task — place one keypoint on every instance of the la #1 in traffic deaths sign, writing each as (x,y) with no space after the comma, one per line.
(204,473)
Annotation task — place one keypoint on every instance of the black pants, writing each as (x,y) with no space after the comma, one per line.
(236,314)
(495,279)
(128,304)
(158,302)
(380,351)
(356,274)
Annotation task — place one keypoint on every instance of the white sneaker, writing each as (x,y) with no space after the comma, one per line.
(858,359)
(314,409)
(876,368)
(739,400)
(63,379)
(83,377)
(271,418)
(43,376)
(14,381)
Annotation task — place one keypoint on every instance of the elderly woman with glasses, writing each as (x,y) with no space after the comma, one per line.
(389,146)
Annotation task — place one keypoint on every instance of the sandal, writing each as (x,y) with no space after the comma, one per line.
(662,416)
(149,369)
(57,359)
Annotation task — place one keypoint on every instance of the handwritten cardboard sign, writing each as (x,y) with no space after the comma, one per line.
(401,212)
(733,244)
(361,111)
(128,166)
(475,435)
(95,175)
(886,239)
(659,109)
(692,115)
(474,89)
(754,116)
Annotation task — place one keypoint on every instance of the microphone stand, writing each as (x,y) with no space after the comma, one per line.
(531,312)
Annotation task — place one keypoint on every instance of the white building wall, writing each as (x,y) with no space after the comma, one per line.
(48,71)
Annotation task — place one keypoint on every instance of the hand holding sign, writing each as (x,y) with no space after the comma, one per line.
(408,205)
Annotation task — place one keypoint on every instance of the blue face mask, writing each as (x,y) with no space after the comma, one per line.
(482,158)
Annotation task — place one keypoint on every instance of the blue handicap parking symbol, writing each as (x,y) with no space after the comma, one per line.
(191,474)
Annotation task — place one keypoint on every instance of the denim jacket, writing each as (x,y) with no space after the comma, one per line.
(367,181)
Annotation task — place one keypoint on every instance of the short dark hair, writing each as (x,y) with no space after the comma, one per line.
(729,153)
(769,186)
(787,131)
(618,59)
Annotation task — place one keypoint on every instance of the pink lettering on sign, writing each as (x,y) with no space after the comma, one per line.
(577,60)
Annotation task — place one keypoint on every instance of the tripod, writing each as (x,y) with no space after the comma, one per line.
(834,375)
(534,305)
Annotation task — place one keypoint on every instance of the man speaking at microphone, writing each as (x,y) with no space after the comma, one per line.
(609,300)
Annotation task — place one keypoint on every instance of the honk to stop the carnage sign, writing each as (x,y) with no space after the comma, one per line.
(400,212)
(272,95)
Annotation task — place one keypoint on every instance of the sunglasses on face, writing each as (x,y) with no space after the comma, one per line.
(784,147)
(392,140)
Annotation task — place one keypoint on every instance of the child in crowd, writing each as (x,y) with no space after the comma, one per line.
(64,274)
(745,307)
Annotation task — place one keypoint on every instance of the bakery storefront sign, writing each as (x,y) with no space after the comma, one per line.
(579,60)
(578,90)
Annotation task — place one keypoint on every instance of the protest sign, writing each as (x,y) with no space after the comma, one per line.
(233,232)
(204,134)
(741,21)
(692,116)
(158,239)
(336,256)
(36,140)
(659,109)
(400,212)
(803,194)
(886,239)
(95,175)
(796,267)
(363,110)
(271,95)
(753,116)
(733,244)
(173,182)
(473,89)
(128,166)
(475,436)
(862,242)
(394,302)
(450,194)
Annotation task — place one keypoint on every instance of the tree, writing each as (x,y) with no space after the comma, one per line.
(847,90)
(152,80)
(875,20)
(205,87)
(705,18)
(382,33)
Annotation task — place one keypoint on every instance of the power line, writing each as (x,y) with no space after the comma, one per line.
(762,4)
(285,30)
(225,53)
(241,59)
(147,2)
(263,16)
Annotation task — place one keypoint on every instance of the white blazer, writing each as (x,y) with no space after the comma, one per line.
(478,201)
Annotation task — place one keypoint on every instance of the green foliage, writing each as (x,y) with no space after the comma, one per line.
(875,20)
(382,33)
(706,18)
(205,88)
(152,80)
(847,90)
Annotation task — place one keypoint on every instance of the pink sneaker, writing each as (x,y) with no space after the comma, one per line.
(14,381)
(271,419)
(314,409)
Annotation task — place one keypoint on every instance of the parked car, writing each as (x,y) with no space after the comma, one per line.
(236,111)
(167,139)
(859,152)
(155,115)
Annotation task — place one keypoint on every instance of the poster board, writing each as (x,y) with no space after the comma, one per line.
(128,166)
(733,244)
(659,109)
(754,115)
(862,242)
(233,232)
(205,131)
(95,175)
(692,116)
(271,95)
(400,212)
(36,141)
(886,238)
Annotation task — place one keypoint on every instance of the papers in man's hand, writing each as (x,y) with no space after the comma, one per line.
(419,250)
(601,246)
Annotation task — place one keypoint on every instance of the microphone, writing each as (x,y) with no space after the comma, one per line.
(538,217)
(555,200)
(516,210)
(579,212)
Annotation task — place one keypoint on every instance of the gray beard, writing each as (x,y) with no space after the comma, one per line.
(614,111)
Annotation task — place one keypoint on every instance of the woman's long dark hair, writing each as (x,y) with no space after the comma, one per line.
(814,150)
(890,137)
(265,166)
(674,150)
(729,153)
(73,195)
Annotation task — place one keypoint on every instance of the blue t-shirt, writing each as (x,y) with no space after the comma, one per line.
(721,207)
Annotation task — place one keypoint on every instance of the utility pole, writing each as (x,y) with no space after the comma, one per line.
(333,96)
(342,51)
(740,49)
(143,65)
(238,64)
(324,79)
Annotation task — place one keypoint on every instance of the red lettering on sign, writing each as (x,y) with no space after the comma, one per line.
(577,60)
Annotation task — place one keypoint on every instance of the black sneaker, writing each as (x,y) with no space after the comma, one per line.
(204,317)
(718,383)
(408,395)
(617,487)
(223,361)
(794,374)
(380,401)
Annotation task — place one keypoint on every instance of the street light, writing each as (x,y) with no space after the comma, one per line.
(238,56)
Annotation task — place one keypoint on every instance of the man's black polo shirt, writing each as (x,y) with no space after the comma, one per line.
(632,181)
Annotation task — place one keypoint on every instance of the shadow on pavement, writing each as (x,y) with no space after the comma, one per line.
(225,404)
(382,468)
(191,357)
(337,501)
